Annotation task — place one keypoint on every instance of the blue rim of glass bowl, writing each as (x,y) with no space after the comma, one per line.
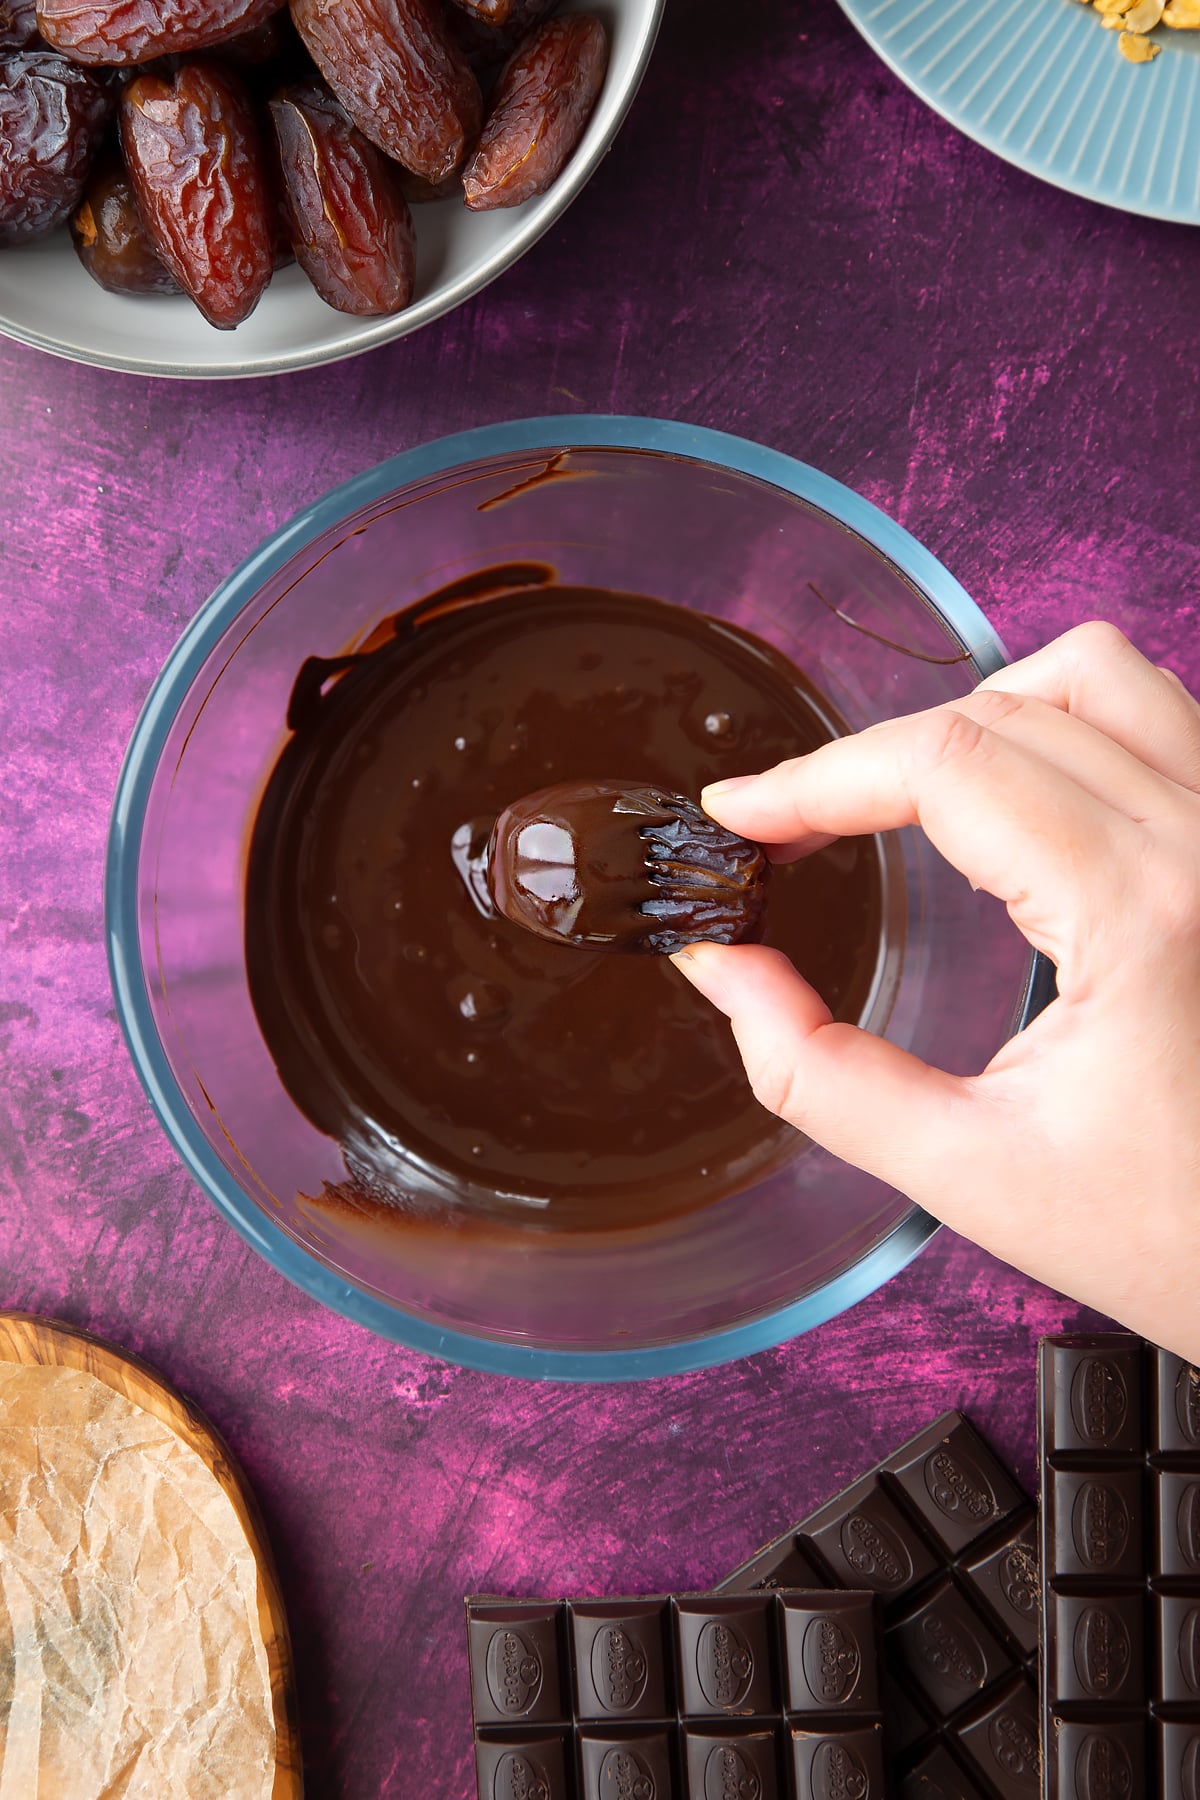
(494,1355)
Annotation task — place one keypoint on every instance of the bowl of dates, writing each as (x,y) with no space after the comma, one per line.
(408,832)
(215,188)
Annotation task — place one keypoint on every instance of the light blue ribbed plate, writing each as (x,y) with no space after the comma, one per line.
(1042,84)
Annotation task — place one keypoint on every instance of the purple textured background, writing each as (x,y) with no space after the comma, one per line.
(785,244)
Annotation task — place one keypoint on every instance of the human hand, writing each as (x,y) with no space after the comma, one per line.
(1067,785)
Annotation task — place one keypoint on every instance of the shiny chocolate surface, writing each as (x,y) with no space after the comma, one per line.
(459,1060)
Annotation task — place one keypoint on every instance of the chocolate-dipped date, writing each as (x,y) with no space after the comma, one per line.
(609,865)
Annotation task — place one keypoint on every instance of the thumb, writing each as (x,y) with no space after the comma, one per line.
(866,1100)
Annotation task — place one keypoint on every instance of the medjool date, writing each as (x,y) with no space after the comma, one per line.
(393,67)
(191,147)
(52,117)
(349,223)
(121,32)
(111,239)
(541,103)
(18,24)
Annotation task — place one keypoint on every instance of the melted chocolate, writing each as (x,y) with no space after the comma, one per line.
(458,1059)
(613,865)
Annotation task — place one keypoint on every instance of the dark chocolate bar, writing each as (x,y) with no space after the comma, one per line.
(766,1696)
(948,1541)
(1119,1435)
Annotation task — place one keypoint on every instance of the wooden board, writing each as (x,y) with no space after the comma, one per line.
(25,1338)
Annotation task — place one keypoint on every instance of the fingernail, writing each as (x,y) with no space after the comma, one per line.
(697,968)
(727,786)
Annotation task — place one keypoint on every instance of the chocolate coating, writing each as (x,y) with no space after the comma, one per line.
(459,1062)
(613,865)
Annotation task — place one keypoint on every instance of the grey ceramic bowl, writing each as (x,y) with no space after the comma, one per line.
(48,301)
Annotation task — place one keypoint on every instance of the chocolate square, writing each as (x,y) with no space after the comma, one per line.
(780,1565)
(1096,1521)
(725,1761)
(619,1656)
(1102,1759)
(1099,1648)
(1093,1399)
(625,1763)
(724,1645)
(1177,1757)
(1001,1741)
(947,1649)
(868,1543)
(1177,1406)
(955,1484)
(1008,1578)
(829,1653)
(906,1723)
(520,1765)
(826,1764)
(516,1662)
(1177,1523)
(1178,1635)
(938,1777)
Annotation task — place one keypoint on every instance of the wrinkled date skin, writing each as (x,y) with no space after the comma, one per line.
(18,24)
(541,103)
(484,39)
(191,147)
(52,118)
(350,224)
(121,32)
(392,65)
(111,239)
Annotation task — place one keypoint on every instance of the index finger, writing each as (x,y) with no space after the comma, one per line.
(1011,822)
(1094,673)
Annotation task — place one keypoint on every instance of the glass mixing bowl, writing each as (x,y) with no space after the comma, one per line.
(691,516)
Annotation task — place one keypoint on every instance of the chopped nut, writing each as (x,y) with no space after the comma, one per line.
(1132,19)
(1137,49)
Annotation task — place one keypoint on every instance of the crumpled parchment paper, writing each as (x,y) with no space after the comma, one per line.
(132,1664)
